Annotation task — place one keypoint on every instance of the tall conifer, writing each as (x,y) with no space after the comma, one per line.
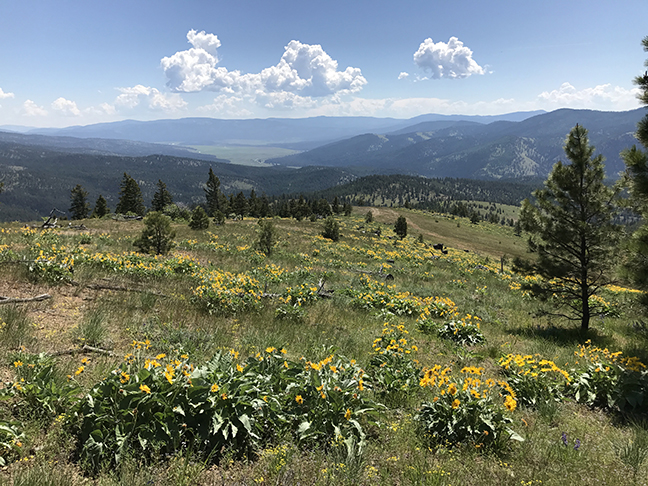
(572,232)
(130,197)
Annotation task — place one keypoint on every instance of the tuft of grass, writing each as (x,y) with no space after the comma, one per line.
(15,327)
(93,330)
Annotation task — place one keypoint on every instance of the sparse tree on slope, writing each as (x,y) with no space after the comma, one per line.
(101,208)
(157,237)
(572,232)
(161,198)
(199,219)
(79,207)
(130,197)
(213,194)
(400,227)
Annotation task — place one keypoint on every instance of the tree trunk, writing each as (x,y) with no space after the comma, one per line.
(585,317)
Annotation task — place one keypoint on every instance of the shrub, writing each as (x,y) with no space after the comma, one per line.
(266,236)
(157,237)
(610,380)
(331,229)
(199,219)
(464,331)
(400,227)
(464,410)
(165,405)
(535,380)
(393,370)
(40,391)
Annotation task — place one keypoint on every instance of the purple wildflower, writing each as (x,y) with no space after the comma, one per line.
(564,438)
(577,444)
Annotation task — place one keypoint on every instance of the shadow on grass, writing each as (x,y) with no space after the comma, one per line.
(563,336)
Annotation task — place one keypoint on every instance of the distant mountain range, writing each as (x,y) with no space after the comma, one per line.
(460,148)
(284,132)
(40,167)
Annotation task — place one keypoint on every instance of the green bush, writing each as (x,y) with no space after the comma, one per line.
(199,219)
(149,407)
(266,236)
(331,229)
(535,381)
(157,237)
(465,410)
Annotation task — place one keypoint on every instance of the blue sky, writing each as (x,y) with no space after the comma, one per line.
(75,62)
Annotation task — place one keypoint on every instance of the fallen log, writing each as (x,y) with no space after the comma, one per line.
(84,349)
(38,298)
(120,288)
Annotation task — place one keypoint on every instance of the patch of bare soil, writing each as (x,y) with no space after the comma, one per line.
(55,319)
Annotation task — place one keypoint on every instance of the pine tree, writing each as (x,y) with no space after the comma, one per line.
(79,207)
(130,197)
(157,237)
(266,236)
(240,205)
(572,232)
(199,219)
(400,227)
(636,161)
(101,208)
(331,229)
(213,194)
(161,198)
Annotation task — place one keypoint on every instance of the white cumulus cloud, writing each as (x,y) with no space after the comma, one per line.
(452,60)
(66,107)
(30,108)
(151,97)
(603,96)
(4,95)
(403,75)
(304,71)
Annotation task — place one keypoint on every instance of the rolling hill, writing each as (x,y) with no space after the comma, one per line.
(497,150)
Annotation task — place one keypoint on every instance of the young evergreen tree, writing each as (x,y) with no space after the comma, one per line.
(199,219)
(157,237)
(161,198)
(101,208)
(130,197)
(240,206)
(335,207)
(636,161)
(331,229)
(266,236)
(213,194)
(79,207)
(400,227)
(572,232)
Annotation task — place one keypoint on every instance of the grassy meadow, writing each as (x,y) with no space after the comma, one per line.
(363,361)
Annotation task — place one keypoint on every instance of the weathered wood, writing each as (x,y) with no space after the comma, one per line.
(82,350)
(38,298)
(120,288)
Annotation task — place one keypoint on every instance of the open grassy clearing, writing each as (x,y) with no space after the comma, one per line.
(244,154)
(300,355)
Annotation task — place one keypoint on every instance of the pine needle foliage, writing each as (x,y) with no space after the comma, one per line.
(79,207)
(331,229)
(199,219)
(161,198)
(157,237)
(266,236)
(130,197)
(400,227)
(101,207)
(571,232)
(636,161)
